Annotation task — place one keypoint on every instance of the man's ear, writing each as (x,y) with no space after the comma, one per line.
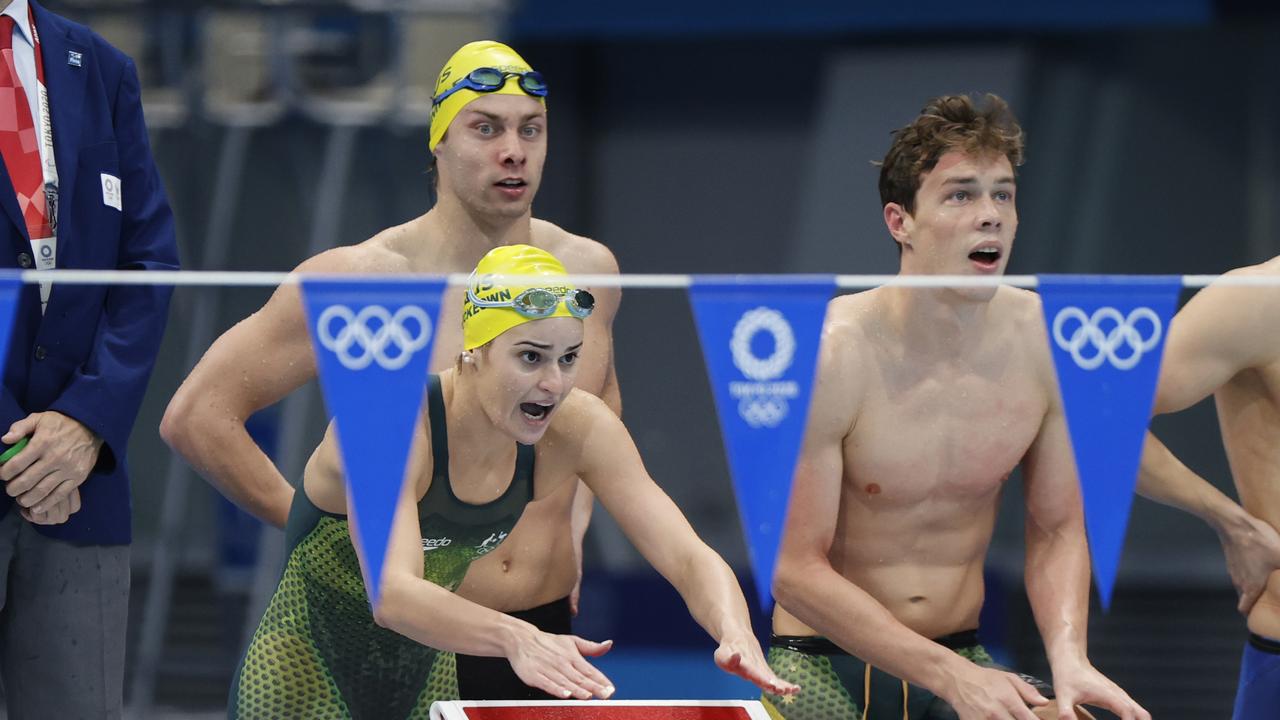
(899,222)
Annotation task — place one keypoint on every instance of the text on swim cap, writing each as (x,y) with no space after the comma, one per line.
(503,295)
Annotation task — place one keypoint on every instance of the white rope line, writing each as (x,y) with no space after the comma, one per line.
(846,282)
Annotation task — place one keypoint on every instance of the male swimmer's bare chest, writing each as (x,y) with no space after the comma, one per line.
(947,433)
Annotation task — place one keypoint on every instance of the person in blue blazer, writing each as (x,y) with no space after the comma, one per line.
(78,360)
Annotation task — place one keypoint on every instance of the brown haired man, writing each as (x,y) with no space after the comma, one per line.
(925,401)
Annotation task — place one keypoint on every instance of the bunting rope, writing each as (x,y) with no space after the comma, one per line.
(637,280)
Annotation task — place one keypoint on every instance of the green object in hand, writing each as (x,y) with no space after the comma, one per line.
(14,449)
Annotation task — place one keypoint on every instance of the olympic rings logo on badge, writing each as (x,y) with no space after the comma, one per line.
(763,319)
(1090,346)
(357,345)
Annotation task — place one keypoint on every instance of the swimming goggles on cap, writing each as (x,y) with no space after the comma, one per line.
(541,302)
(491,79)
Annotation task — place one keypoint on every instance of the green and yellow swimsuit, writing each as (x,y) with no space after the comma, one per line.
(317,654)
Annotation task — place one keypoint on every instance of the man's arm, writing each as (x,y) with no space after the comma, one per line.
(1221,331)
(1057,563)
(1251,546)
(253,365)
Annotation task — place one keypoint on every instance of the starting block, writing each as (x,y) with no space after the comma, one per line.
(600,710)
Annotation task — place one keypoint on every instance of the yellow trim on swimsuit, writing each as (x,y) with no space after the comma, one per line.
(866,695)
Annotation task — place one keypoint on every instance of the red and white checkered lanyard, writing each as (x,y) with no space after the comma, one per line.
(46,247)
(37,191)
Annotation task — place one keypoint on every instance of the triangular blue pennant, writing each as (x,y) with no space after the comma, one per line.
(10,284)
(760,339)
(1107,337)
(373,341)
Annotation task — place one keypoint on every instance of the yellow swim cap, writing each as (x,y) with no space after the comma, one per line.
(490,307)
(473,56)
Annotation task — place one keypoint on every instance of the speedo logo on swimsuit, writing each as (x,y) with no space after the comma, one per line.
(429,544)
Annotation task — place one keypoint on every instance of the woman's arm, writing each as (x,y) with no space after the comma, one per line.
(611,466)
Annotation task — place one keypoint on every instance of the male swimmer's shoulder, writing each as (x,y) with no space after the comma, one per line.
(1266,267)
(1018,306)
(850,328)
(855,315)
(402,244)
(579,254)
(1243,313)
(1249,310)
(1269,294)
(1021,313)
(367,257)
(1016,299)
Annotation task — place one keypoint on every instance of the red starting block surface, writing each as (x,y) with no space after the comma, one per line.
(601,710)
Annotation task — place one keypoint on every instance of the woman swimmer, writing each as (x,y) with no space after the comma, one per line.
(487,446)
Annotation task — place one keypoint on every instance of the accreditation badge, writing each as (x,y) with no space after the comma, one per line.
(46,252)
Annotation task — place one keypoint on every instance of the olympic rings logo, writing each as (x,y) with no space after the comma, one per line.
(763,319)
(763,411)
(356,345)
(1090,346)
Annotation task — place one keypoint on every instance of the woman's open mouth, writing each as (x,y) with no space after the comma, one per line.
(536,411)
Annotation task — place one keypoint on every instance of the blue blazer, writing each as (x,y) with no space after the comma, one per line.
(90,355)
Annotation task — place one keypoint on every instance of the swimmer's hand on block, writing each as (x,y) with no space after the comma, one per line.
(557,664)
(742,656)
